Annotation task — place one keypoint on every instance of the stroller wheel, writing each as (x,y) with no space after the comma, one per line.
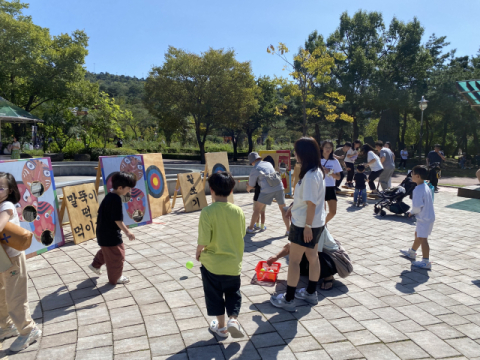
(383,213)
(377,210)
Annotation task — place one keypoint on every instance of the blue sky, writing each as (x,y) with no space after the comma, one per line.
(128,37)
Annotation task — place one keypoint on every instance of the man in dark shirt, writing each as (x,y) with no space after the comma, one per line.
(109,224)
(435,156)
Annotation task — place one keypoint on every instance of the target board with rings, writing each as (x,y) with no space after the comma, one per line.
(214,163)
(156,181)
(37,208)
(156,185)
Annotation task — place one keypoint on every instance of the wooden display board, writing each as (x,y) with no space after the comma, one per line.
(81,203)
(38,206)
(136,212)
(192,189)
(296,175)
(216,162)
(158,196)
(273,154)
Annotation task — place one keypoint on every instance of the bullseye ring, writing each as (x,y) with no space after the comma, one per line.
(155,182)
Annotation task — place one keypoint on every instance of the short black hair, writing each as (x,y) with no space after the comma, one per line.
(13,192)
(379,143)
(349,144)
(222,183)
(123,179)
(422,171)
(438,145)
(361,167)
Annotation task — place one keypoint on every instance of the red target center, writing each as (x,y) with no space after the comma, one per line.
(155,181)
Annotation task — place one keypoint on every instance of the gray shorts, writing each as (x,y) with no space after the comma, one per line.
(267,199)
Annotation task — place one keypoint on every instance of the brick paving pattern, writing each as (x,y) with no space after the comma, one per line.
(385,310)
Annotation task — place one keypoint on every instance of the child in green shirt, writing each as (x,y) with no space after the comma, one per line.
(220,250)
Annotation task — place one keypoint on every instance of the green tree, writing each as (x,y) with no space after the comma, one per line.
(360,39)
(107,115)
(203,86)
(35,67)
(267,111)
(308,70)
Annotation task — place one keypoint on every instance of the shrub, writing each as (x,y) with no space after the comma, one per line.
(73,147)
(95,153)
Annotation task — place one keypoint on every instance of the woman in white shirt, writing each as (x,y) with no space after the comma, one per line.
(308,221)
(404,156)
(332,170)
(350,158)
(375,165)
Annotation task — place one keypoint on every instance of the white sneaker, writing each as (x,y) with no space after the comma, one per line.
(302,294)
(235,329)
(22,342)
(8,332)
(95,270)
(409,254)
(250,231)
(220,332)
(423,264)
(123,280)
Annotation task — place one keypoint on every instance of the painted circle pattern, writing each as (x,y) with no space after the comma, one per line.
(155,182)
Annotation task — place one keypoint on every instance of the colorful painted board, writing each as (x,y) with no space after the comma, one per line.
(216,162)
(38,206)
(158,196)
(193,191)
(270,155)
(82,206)
(136,210)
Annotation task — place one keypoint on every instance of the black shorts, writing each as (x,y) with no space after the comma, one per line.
(296,236)
(327,266)
(215,287)
(330,193)
(257,192)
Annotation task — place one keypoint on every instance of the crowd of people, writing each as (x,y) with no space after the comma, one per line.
(312,250)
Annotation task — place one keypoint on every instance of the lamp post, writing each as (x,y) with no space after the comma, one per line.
(422,105)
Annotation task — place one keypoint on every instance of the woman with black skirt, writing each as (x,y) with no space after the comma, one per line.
(333,171)
(308,221)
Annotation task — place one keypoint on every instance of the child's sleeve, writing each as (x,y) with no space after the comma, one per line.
(417,203)
(204,230)
(117,210)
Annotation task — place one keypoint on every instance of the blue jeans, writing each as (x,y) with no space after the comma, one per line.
(362,193)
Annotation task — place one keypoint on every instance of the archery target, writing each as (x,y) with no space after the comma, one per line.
(218,168)
(156,185)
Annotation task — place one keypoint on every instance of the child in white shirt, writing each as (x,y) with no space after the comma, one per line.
(422,208)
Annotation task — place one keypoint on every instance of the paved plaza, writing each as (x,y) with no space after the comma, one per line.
(385,310)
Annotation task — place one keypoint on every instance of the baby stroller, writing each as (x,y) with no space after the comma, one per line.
(392,199)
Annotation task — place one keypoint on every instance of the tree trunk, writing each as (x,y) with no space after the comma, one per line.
(476,142)
(168,137)
(340,137)
(444,136)
(201,145)
(250,141)
(317,133)
(355,128)
(304,108)
(235,145)
(404,130)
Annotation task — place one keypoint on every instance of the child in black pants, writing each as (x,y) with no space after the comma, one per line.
(220,250)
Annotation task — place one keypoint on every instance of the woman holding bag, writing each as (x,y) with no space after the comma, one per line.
(308,221)
(15,318)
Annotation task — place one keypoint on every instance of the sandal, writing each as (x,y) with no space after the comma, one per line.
(234,328)
(328,282)
(223,333)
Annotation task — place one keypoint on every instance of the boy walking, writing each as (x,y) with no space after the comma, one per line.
(422,208)
(220,250)
(360,186)
(109,227)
